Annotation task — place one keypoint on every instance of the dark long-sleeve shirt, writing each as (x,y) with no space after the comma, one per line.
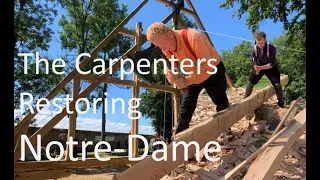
(263,59)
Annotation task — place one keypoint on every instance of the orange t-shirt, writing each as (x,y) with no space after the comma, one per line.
(202,49)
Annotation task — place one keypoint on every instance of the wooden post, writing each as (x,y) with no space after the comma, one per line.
(176,95)
(73,117)
(135,94)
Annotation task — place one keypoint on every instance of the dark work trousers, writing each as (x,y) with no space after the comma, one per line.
(215,85)
(273,75)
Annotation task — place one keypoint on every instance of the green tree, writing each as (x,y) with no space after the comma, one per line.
(276,10)
(87,24)
(292,61)
(291,47)
(32,33)
(237,62)
(187,22)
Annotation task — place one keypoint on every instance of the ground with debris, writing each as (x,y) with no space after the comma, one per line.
(245,137)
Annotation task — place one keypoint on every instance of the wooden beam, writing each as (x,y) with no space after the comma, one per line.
(176,96)
(131,33)
(267,163)
(167,3)
(73,117)
(20,167)
(42,175)
(135,94)
(127,32)
(124,82)
(201,133)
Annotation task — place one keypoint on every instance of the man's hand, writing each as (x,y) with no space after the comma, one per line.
(172,76)
(257,69)
(181,83)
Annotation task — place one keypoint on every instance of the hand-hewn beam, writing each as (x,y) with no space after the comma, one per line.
(125,82)
(267,163)
(201,133)
(41,175)
(30,166)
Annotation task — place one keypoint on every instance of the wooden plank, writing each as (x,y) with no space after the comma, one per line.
(42,175)
(127,32)
(201,133)
(30,166)
(131,33)
(23,125)
(124,82)
(176,96)
(73,117)
(267,163)
(168,3)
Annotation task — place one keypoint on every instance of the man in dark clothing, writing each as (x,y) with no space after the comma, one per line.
(62,140)
(264,63)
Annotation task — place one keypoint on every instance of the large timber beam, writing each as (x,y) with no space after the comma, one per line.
(267,163)
(201,133)
(41,175)
(20,167)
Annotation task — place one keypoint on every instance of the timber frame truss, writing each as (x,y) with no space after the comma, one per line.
(57,169)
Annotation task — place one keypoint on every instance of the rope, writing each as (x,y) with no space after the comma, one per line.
(246,39)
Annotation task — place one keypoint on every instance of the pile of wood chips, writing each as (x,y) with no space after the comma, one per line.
(245,137)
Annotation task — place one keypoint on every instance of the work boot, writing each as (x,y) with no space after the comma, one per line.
(221,107)
(248,90)
(181,126)
(279,94)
